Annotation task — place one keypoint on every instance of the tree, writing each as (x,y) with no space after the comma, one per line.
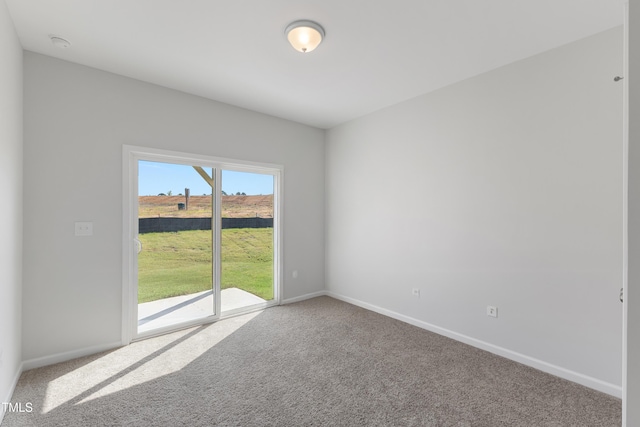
(224,193)
(169,193)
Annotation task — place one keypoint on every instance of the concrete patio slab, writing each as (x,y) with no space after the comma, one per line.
(169,311)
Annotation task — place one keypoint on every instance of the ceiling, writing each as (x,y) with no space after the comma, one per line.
(376,53)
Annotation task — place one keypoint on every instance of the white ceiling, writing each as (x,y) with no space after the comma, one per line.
(376,52)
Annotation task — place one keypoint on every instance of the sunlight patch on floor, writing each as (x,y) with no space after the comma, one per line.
(137,363)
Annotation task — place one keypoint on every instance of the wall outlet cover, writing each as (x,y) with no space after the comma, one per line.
(84,229)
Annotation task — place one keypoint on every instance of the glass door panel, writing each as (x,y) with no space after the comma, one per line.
(247,240)
(176,250)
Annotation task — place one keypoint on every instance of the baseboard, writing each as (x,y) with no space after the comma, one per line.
(304,297)
(16,378)
(541,365)
(69,355)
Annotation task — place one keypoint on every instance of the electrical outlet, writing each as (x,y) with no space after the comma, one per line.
(84,229)
(492,311)
(416,292)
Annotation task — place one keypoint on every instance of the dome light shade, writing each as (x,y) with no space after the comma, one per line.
(304,36)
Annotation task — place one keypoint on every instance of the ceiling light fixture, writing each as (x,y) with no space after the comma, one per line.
(304,35)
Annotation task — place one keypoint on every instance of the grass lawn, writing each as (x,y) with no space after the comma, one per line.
(173,264)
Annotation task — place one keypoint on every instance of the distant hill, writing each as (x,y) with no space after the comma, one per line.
(200,206)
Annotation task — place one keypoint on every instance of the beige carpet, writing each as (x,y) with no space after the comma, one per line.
(319,362)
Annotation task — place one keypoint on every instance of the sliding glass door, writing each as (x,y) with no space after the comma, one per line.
(201,240)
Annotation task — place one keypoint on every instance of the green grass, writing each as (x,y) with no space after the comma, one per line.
(173,264)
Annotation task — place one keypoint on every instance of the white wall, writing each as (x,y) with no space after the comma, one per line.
(632,403)
(11,211)
(505,190)
(76,121)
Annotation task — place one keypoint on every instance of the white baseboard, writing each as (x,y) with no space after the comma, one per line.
(68,355)
(16,378)
(304,297)
(541,365)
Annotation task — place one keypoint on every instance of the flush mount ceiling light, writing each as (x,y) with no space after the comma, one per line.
(304,35)
(60,42)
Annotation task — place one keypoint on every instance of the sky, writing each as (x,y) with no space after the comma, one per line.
(155,178)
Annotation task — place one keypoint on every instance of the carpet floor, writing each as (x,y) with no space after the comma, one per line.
(319,362)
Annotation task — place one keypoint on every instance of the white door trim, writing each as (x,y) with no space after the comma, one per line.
(625,205)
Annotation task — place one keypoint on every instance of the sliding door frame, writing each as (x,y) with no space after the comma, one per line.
(130,157)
